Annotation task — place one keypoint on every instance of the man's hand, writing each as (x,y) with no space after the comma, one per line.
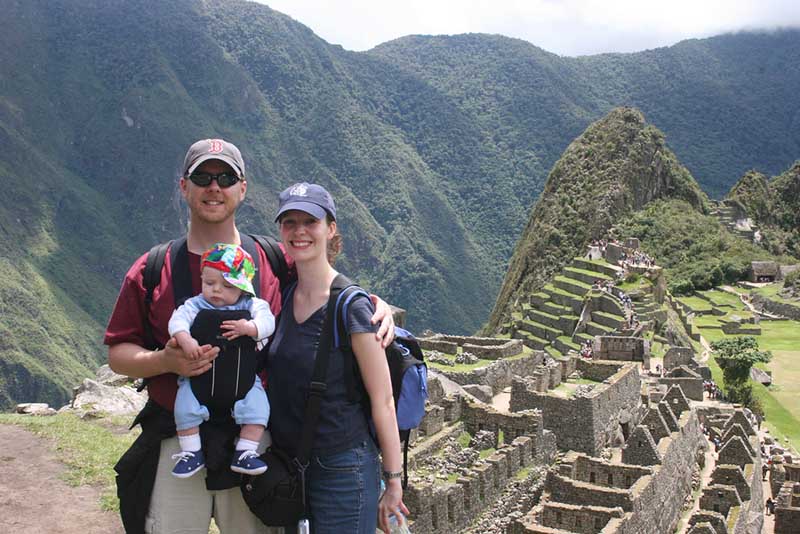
(189,345)
(383,314)
(240,327)
(177,361)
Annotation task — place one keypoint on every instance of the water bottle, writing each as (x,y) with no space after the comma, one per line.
(303,527)
(397,521)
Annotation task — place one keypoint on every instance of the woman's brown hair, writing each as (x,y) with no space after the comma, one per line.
(334,244)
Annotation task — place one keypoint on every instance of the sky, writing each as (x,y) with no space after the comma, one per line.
(564,27)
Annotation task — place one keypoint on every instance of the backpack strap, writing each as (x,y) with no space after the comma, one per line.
(354,386)
(317,388)
(181,274)
(275,256)
(150,280)
(341,337)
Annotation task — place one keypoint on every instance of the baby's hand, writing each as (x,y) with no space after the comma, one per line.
(190,347)
(241,327)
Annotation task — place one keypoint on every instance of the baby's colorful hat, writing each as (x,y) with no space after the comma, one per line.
(235,264)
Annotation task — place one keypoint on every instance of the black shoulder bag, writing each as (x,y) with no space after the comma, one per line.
(278,496)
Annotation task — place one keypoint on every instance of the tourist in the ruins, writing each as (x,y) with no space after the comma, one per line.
(770,505)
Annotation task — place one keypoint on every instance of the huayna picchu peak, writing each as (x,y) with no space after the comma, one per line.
(616,167)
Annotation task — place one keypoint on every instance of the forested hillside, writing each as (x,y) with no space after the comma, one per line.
(435,148)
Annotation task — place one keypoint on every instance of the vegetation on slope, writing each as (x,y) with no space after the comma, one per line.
(696,250)
(617,166)
(434,147)
(774,205)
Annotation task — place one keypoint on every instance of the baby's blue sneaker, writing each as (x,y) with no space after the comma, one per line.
(188,463)
(248,463)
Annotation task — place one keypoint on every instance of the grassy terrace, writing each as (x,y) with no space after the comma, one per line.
(722,298)
(695,304)
(594,274)
(636,283)
(465,368)
(781,401)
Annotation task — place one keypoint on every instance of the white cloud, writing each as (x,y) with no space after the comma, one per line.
(568,27)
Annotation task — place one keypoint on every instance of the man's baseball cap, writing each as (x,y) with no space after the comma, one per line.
(310,198)
(207,149)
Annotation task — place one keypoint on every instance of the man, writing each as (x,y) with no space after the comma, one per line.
(213,184)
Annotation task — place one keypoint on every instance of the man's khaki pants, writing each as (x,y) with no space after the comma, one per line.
(185,506)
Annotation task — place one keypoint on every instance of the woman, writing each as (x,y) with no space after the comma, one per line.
(344,472)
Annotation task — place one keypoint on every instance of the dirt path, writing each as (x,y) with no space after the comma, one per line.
(33,497)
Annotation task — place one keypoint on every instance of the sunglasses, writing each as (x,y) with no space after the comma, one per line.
(204,179)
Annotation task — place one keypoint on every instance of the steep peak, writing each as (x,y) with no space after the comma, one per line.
(614,168)
(752,195)
(621,157)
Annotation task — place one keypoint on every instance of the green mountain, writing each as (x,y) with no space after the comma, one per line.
(435,149)
(774,205)
(616,167)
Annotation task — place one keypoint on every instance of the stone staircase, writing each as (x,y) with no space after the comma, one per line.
(548,320)
(739,226)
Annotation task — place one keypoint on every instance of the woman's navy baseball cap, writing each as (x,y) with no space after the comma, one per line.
(310,198)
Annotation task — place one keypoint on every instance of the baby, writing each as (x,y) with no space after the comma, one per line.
(227,272)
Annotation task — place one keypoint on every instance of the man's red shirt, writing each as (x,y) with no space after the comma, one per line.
(126,324)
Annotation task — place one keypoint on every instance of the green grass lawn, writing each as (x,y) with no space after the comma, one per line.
(781,401)
(722,298)
(89,448)
(641,282)
(695,303)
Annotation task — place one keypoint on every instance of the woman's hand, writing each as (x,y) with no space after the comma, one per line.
(383,314)
(391,501)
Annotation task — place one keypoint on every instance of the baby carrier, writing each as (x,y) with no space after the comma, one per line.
(232,372)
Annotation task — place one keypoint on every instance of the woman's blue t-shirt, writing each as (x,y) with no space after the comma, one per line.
(290,364)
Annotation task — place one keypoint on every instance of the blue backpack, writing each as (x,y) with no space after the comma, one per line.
(407,368)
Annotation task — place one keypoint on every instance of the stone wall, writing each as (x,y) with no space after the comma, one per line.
(677,356)
(587,423)
(497,374)
(477,417)
(574,518)
(787,512)
(604,473)
(450,507)
(778,308)
(563,489)
(692,387)
(659,500)
(621,348)
(597,370)
(487,348)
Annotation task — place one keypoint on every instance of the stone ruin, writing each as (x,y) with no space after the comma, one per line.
(631,449)
(733,500)
(628,443)
(784,485)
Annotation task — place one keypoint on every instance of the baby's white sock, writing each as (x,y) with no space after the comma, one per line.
(246,445)
(190,443)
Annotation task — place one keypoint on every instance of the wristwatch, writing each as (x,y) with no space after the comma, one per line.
(389,475)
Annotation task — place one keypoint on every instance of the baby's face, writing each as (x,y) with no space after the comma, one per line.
(217,290)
